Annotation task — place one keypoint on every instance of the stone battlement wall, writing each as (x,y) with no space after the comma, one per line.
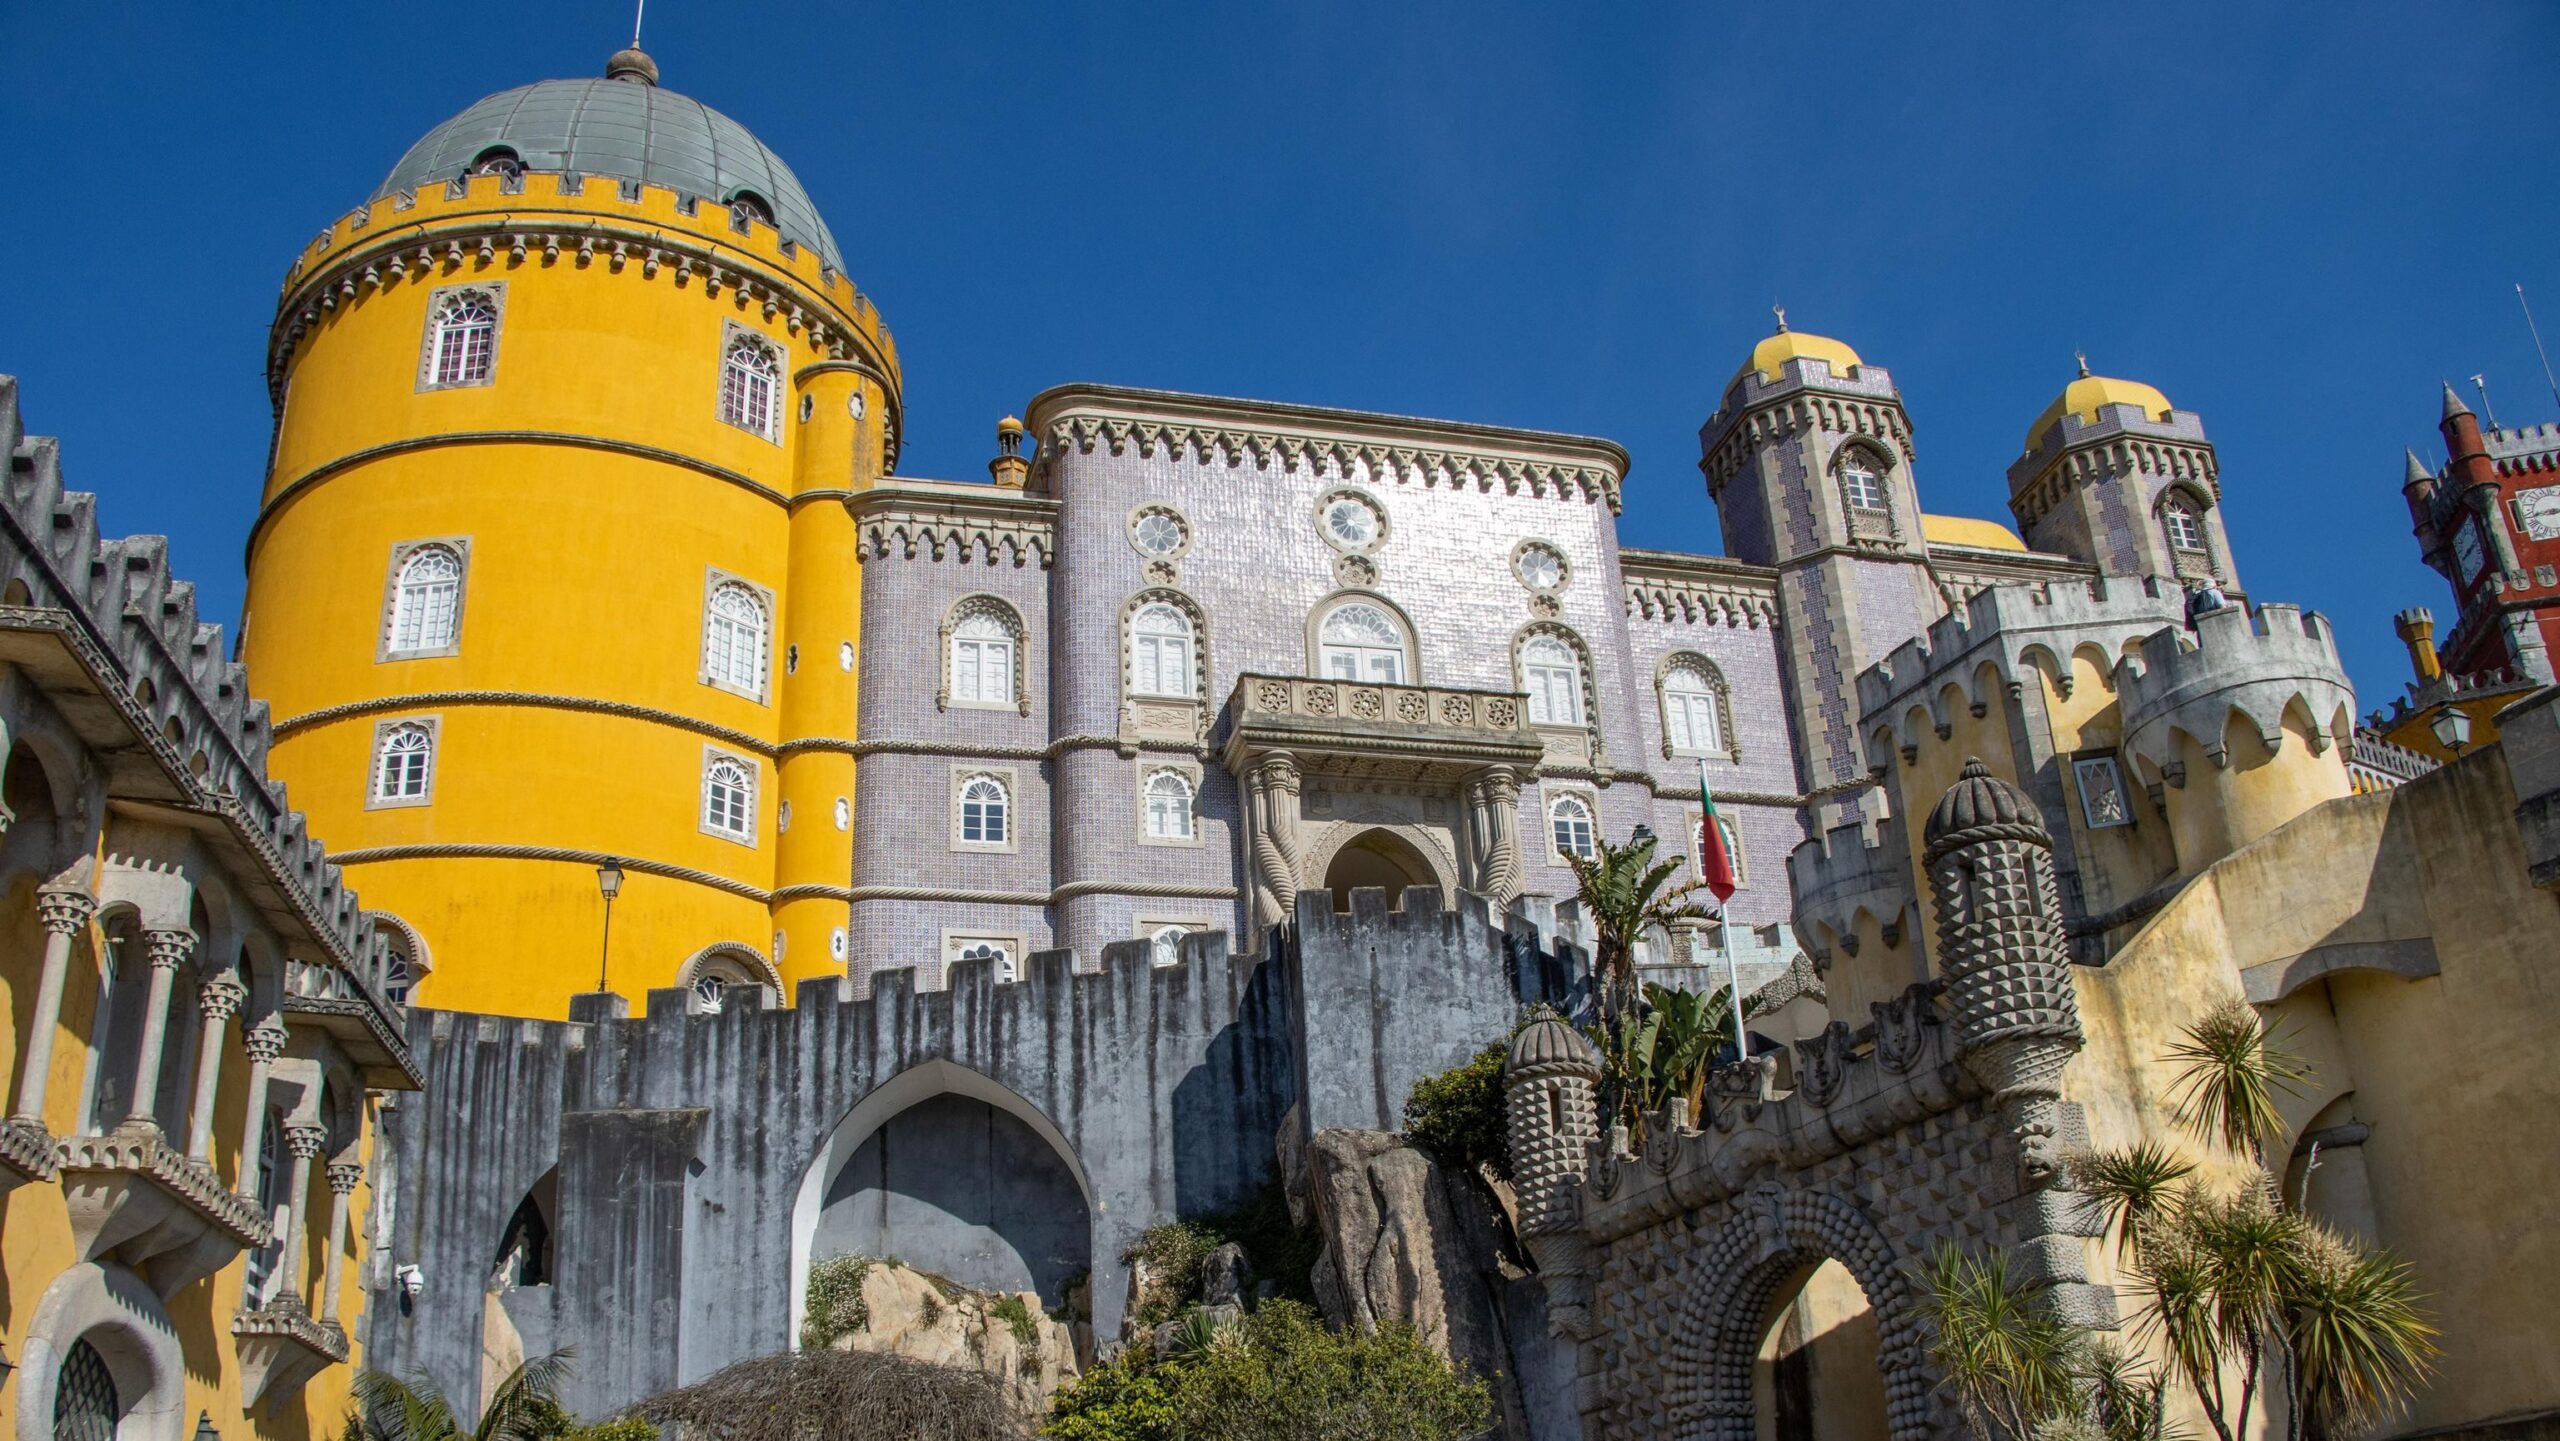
(2236,661)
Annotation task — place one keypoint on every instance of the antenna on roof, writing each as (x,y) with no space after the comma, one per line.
(2481,382)
(2537,346)
(639,10)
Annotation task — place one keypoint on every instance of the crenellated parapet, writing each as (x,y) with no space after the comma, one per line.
(198,740)
(962,524)
(2236,663)
(1999,637)
(1855,871)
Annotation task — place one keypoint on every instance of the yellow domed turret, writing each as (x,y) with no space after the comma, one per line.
(2083,397)
(1770,356)
(555,573)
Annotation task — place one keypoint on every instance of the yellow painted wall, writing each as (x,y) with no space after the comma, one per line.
(596,489)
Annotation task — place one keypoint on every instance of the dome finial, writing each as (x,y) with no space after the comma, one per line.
(1780,311)
(2083,357)
(633,65)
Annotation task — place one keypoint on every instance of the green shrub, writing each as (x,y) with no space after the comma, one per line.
(1277,1376)
(1017,1318)
(629,1428)
(834,1300)
(1458,1115)
(1171,1254)
(1279,1250)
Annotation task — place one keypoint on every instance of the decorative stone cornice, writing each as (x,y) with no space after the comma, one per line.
(1698,589)
(138,1152)
(1758,412)
(288,1319)
(953,522)
(1402,450)
(27,1148)
(281,1348)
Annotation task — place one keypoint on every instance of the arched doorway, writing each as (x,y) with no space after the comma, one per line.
(1819,1376)
(948,1171)
(1376,858)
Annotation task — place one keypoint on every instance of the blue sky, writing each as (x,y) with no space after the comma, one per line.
(2294,219)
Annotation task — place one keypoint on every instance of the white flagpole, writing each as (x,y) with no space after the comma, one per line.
(1724,925)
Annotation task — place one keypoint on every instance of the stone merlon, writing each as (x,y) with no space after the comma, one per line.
(2255,664)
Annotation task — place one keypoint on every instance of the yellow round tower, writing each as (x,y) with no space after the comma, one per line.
(553,573)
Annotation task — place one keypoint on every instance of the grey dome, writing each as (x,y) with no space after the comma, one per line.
(627,129)
(1981,806)
(1548,1042)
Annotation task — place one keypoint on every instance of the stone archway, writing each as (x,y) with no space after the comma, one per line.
(1377,857)
(1770,1241)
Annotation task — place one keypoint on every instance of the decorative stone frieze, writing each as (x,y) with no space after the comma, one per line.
(135,1200)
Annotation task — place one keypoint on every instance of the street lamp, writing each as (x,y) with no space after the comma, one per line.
(2452,725)
(609,881)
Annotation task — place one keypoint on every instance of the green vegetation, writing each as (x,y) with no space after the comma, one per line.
(1626,893)
(1017,1318)
(525,1406)
(833,1303)
(2017,1372)
(1170,1255)
(1458,1115)
(1277,1376)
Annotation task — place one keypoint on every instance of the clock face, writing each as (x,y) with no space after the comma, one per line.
(2538,512)
(2466,550)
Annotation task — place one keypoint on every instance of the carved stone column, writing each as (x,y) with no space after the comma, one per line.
(220,999)
(1493,803)
(169,950)
(305,1143)
(2007,965)
(343,1176)
(264,1042)
(65,913)
(1274,783)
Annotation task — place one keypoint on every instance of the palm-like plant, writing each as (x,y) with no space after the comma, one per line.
(524,1407)
(2134,1187)
(2235,1077)
(1626,893)
(2361,1343)
(2010,1363)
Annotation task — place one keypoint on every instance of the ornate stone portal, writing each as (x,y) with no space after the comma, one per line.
(1939,1121)
(1323,765)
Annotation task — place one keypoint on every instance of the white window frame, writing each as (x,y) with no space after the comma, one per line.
(715,581)
(1189,776)
(1149,928)
(1555,801)
(966,611)
(431,344)
(2179,506)
(1716,698)
(962,777)
(1362,655)
(1142,642)
(432,726)
(395,597)
(1009,963)
(733,337)
(1576,676)
(714,759)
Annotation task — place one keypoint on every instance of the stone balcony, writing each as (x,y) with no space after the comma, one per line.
(26,1153)
(1389,733)
(136,1200)
(281,1348)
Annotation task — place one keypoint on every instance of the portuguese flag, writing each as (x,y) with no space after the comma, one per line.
(1715,863)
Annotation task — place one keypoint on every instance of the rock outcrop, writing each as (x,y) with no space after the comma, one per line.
(915,1314)
(1402,1243)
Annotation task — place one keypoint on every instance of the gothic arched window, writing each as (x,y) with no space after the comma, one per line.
(1168,806)
(986,812)
(404,762)
(2185,528)
(1164,945)
(735,637)
(1569,821)
(85,1404)
(462,339)
(982,657)
(729,798)
(1160,651)
(1361,640)
(1552,675)
(750,385)
(426,602)
(1693,714)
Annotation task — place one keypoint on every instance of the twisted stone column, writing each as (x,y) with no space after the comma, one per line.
(264,1042)
(1493,795)
(305,1143)
(343,1176)
(220,999)
(169,950)
(1275,782)
(2007,965)
(64,912)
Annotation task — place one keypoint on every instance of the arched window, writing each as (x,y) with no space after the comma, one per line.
(734,638)
(1569,819)
(988,950)
(1160,644)
(1164,945)
(750,385)
(711,974)
(1692,711)
(747,206)
(270,1186)
(462,339)
(397,978)
(1862,481)
(426,601)
(1360,641)
(729,798)
(404,762)
(984,654)
(1552,675)
(1168,806)
(85,1404)
(986,808)
(2184,526)
(499,160)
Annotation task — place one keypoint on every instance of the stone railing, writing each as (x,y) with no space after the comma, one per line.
(1299,699)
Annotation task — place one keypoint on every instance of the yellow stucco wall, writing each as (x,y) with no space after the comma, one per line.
(595,491)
